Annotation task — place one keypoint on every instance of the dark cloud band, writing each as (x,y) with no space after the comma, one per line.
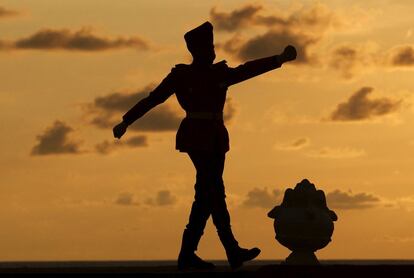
(262,198)
(337,199)
(82,40)
(312,18)
(348,200)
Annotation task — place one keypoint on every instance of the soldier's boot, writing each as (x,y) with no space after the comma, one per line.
(187,259)
(236,255)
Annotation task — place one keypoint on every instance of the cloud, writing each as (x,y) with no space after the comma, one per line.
(360,107)
(137,141)
(338,199)
(163,198)
(402,56)
(262,198)
(106,111)
(4,12)
(82,40)
(316,17)
(352,59)
(271,43)
(298,144)
(336,153)
(107,147)
(234,20)
(55,141)
(126,199)
(303,28)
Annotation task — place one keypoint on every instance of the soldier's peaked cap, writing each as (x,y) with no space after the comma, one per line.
(200,35)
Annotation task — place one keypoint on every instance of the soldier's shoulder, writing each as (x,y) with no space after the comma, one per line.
(180,68)
(221,65)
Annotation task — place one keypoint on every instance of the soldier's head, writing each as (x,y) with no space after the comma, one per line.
(200,43)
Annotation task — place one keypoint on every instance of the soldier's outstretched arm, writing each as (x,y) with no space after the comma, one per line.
(256,67)
(160,94)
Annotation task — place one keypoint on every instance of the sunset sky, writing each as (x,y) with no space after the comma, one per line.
(341,115)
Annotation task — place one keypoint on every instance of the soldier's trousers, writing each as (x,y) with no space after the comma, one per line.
(209,200)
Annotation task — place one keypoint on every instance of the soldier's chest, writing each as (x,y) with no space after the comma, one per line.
(201,82)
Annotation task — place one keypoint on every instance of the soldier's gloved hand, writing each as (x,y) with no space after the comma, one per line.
(120,129)
(289,53)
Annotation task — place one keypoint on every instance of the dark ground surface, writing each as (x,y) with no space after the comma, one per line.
(349,269)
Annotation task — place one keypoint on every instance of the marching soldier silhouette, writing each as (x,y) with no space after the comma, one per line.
(201,89)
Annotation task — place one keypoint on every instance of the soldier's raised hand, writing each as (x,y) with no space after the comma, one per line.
(120,129)
(289,53)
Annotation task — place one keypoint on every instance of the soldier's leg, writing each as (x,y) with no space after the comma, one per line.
(200,212)
(221,217)
(219,212)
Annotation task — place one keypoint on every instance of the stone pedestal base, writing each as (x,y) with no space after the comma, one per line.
(301,258)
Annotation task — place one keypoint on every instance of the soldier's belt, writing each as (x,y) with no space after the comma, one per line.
(205,115)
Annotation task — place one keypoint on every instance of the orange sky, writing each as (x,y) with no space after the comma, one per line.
(340,116)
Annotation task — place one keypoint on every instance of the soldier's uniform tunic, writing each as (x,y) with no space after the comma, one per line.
(201,93)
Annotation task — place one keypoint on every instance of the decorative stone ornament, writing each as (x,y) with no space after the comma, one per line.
(303,223)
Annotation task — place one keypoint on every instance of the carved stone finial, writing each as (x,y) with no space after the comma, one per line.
(303,222)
